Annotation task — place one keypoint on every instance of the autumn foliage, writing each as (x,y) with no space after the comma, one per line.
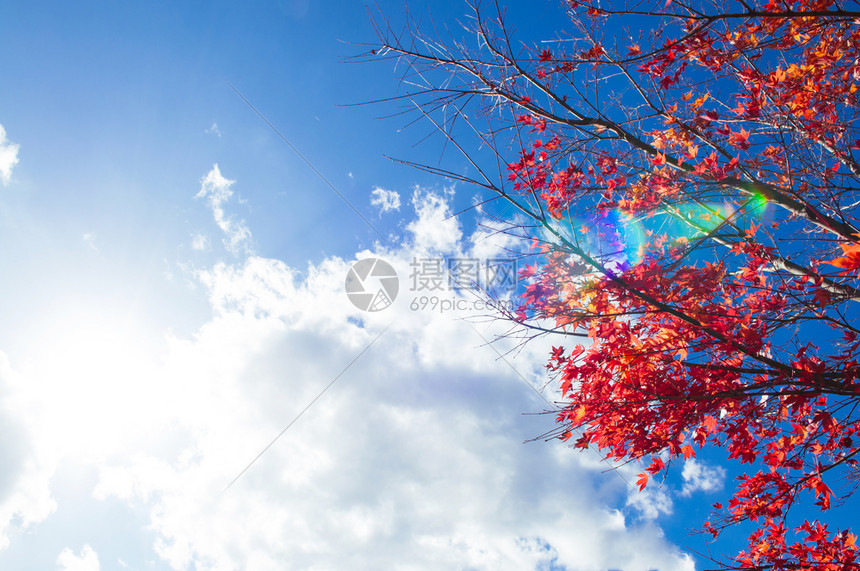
(688,174)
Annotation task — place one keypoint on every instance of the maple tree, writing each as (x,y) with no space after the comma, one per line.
(687,172)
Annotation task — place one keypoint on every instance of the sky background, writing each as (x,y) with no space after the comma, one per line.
(173,296)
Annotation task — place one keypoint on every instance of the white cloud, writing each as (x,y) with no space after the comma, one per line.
(698,477)
(383,199)
(413,459)
(216,190)
(8,157)
(200,242)
(89,238)
(414,456)
(652,502)
(25,498)
(435,229)
(214,130)
(656,499)
(87,561)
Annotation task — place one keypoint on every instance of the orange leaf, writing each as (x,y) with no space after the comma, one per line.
(688,451)
(850,259)
(710,424)
(699,101)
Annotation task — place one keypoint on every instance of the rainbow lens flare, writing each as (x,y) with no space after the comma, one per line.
(612,238)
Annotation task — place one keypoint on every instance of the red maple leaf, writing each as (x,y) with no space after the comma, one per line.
(741,139)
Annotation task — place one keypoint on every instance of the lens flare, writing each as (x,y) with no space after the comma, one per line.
(619,241)
(758,205)
(696,220)
(613,238)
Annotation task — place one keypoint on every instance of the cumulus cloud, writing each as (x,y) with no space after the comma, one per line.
(413,458)
(414,455)
(8,157)
(434,229)
(699,477)
(383,199)
(88,560)
(25,498)
(650,503)
(216,190)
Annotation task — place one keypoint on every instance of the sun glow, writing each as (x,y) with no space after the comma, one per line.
(90,374)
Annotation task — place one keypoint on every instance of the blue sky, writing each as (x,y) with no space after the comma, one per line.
(172,296)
